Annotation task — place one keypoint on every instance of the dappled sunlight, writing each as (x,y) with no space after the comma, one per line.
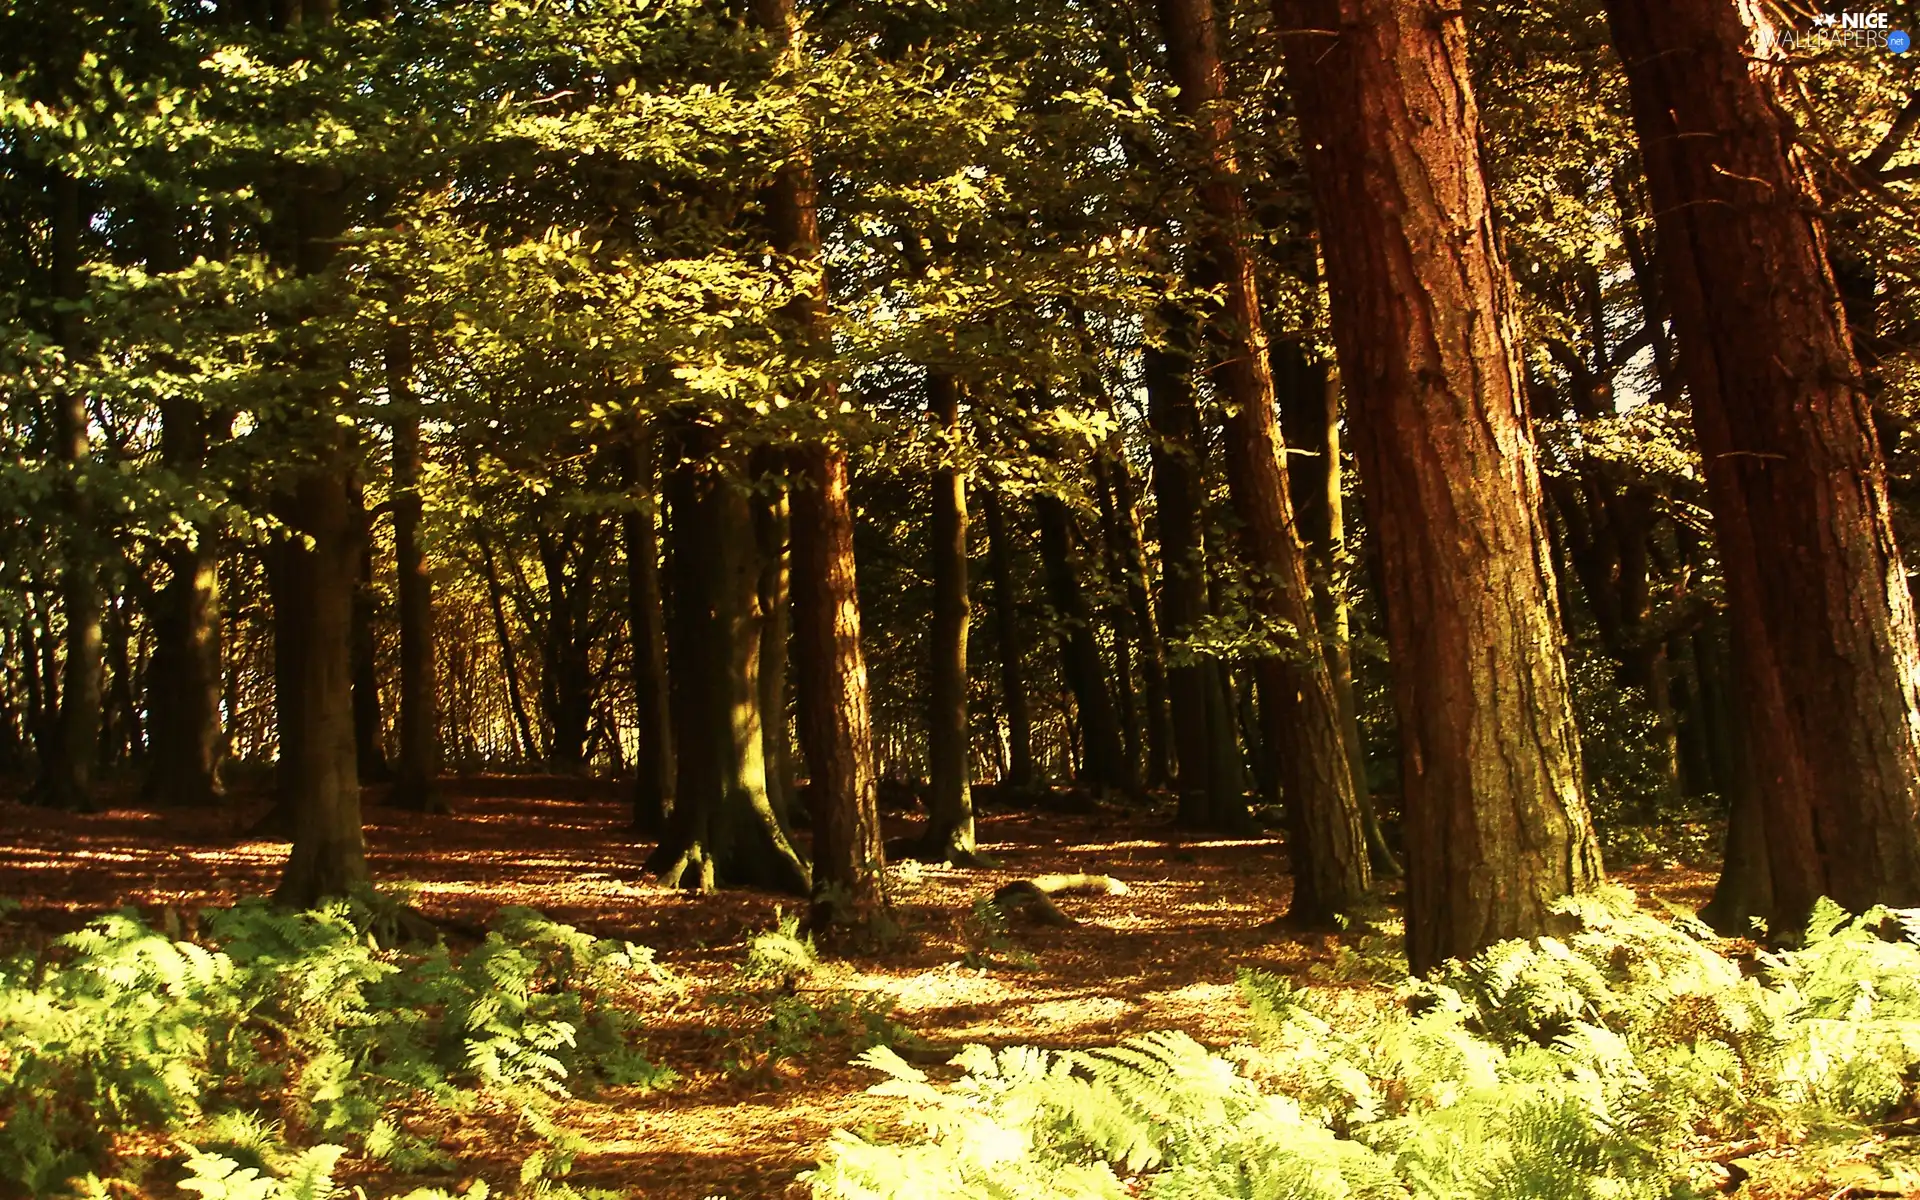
(1164,955)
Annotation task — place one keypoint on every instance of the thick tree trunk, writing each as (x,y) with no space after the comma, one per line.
(1014,700)
(647,639)
(313,597)
(1822,620)
(66,772)
(949,833)
(836,732)
(1104,762)
(183,684)
(417,775)
(723,829)
(313,584)
(830,668)
(186,738)
(1302,712)
(1427,327)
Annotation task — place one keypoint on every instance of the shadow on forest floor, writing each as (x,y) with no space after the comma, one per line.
(1162,956)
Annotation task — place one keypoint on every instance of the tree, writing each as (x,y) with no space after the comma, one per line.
(66,772)
(949,833)
(417,774)
(1823,621)
(723,827)
(1331,871)
(1424,318)
(830,669)
(647,642)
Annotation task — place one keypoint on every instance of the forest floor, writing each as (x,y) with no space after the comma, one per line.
(740,1121)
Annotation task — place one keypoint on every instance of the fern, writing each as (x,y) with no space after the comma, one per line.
(1584,1067)
(122,1028)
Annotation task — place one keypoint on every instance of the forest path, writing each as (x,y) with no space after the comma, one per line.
(1162,956)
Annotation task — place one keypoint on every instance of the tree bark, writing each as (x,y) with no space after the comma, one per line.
(653,783)
(313,597)
(185,734)
(66,774)
(1823,623)
(1104,762)
(1427,328)
(1302,712)
(417,776)
(1014,699)
(313,586)
(1124,532)
(830,667)
(836,732)
(949,835)
(1179,494)
(772,531)
(723,829)
(1310,418)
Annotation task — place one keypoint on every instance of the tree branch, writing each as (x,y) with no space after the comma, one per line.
(1896,137)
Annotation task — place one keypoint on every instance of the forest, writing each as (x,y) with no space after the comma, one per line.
(916,599)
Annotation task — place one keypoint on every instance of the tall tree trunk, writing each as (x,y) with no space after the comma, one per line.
(831,671)
(186,737)
(1104,762)
(313,589)
(66,773)
(1122,517)
(313,597)
(417,777)
(949,835)
(1331,872)
(369,732)
(723,829)
(1014,699)
(1310,418)
(1427,327)
(653,784)
(836,732)
(1179,495)
(772,531)
(1117,613)
(1822,625)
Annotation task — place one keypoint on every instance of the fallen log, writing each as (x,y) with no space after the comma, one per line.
(1035,896)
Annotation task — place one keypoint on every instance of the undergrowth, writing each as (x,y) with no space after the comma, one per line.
(788,1022)
(272,1043)
(1631,1060)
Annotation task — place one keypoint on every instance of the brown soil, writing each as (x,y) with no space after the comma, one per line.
(1162,956)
